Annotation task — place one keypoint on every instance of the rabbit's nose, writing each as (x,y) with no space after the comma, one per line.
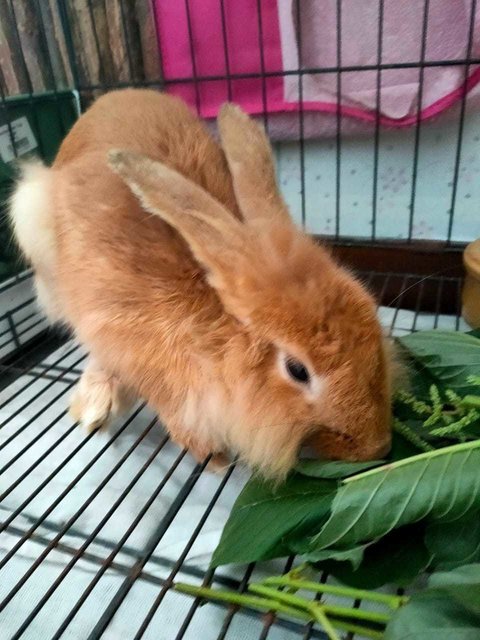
(338,448)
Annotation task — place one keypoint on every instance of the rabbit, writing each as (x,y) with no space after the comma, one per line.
(174,260)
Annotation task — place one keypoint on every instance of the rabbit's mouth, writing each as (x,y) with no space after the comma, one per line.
(307,452)
(333,444)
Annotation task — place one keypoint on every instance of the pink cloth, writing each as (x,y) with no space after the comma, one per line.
(447,39)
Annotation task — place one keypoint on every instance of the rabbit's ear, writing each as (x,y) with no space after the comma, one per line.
(217,239)
(165,192)
(250,160)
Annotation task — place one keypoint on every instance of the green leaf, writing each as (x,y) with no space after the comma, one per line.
(455,543)
(439,485)
(449,357)
(447,610)
(397,558)
(331,469)
(264,514)
(433,616)
(350,557)
(461,584)
(268,522)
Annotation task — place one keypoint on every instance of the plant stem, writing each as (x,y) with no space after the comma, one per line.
(232,597)
(359,614)
(357,629)
(303,603)
(297,572)
(428,455)
(320,617)
(288,598)
(291,605)
(346,592)
(472,402)
(410,435)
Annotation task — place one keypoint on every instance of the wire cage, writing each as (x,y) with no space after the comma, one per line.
(95,529)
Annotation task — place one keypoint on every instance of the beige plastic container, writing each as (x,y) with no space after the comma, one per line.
(471,287)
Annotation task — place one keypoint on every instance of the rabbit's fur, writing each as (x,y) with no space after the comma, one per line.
(176,263)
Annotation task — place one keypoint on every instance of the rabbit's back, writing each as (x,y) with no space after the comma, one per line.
(117,265)
(157,125)
(98,220)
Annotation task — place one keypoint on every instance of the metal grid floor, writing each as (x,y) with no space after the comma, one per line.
(94,529)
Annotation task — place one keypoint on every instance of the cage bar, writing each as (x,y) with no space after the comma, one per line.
(40,366)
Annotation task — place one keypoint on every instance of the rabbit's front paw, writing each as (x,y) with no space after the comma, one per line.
(98,398)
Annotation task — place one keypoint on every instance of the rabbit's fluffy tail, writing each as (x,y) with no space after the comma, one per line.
(31,217)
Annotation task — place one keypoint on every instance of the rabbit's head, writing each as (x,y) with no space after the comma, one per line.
(309,360)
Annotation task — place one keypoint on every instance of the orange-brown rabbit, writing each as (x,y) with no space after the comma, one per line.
(177,265)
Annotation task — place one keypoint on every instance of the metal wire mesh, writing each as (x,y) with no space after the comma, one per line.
(101,74)
(77,548)
(95,528)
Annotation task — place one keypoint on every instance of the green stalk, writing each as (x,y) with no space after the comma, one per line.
(357,629)
(282,596)
(410,435)
(318,611)
(428,455)
(289,604)
(472,402)
(242,600)
(302,603)
(325,622)
(346,592)
(297,572)
(359,614)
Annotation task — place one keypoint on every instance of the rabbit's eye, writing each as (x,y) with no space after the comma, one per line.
(297,371)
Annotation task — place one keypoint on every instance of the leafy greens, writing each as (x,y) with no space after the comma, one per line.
(371,523)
